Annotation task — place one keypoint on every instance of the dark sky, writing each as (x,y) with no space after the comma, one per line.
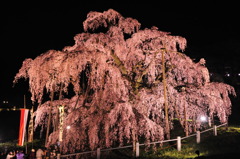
(31,28)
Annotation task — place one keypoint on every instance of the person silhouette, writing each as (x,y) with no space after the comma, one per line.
(39,153)
(197,152)
(32,154)
(10,155)
(20,154)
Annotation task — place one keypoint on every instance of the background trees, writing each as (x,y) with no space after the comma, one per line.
(121,84)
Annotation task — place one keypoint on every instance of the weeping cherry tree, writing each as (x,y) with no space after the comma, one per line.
(128,85)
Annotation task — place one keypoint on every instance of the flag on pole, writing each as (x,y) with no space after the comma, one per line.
(22,127)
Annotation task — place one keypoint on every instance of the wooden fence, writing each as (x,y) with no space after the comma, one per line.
(178,141)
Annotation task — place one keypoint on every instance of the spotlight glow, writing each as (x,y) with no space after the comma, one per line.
(68,127)
(203,118)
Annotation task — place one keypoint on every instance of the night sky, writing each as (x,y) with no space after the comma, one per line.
(31,28)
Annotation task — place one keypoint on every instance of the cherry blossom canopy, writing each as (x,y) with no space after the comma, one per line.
(115,70)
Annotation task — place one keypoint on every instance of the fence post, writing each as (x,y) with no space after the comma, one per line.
(215,130)
(198,137)
(179,143)
(98,153)
(137,149)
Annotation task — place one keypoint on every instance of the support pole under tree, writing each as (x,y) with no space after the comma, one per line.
(30,126)
(209,122)
(61,115)
(49,117)
(185,120)
(56,125)
(134,142)
(25,134)
(163,50)
(24,101)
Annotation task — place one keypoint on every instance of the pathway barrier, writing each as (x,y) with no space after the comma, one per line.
(178,141)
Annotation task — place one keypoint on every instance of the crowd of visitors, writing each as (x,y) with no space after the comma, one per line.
(40,153)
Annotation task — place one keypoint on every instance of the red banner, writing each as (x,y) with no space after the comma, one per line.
(22,127)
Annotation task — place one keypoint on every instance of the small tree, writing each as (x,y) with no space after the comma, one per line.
(129,84)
